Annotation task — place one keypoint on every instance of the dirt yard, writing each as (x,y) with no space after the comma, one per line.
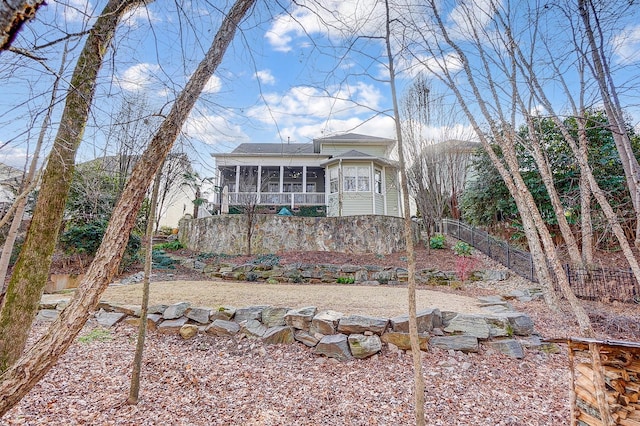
(221,381)
(349,299)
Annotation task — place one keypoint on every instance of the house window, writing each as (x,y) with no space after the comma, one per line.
(364,177)
(377,182)
(311,187)
(291,187)
(357,179)
(274,187)
(333,180)
(350,178)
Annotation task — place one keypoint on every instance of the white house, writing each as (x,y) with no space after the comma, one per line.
(341,175)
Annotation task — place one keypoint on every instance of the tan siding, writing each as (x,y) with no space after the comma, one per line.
(392,194)
(355,203)
(335,149)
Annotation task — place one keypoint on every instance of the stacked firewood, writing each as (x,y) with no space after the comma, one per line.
(621,365)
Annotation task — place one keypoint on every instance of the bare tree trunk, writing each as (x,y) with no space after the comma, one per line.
(34,364)
(609,95)
(32,268)
(13,15)
(586,226)
(418,377)
(28,183)
(134,390)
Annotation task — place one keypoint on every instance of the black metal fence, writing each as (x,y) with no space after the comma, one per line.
(603,284)
(594,283)
(518,261)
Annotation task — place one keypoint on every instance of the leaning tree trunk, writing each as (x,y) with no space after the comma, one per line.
(31,271)
(34,364)
(13,15)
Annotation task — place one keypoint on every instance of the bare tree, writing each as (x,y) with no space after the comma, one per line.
(418,378)
(439,163)
(136,372)
(16,381)
(590,14)
(30,274)
(13,15)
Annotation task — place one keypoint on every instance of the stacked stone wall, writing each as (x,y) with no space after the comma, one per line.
(227,234)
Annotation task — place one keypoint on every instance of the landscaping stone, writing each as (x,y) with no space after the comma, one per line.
(152,321)
(273,317)
(157,309)
(249,313)
(47,315)
(187,331)
(278,335)
(362,346)
(521,323)
(306,338)
(325,322)
(108,319)
(447,316)
(176,310)
(222,313)
(223,328)
(172,326)
(200,315)
(472,325)
(462,343)
(508,347)
(334,346)
(427,319)
(300,318)
(402,341)
(253,328)
(358,324)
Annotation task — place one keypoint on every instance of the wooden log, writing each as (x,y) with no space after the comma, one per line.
(628,422)
(590,420)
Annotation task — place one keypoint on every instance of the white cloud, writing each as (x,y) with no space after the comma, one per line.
(213,129)
(626,45)
(138,77)
(265,77)
(13,156)
(302,103)
(75,11)
(140,15)
(333,19)
(213,85)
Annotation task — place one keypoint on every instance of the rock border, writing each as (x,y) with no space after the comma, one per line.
(334,334)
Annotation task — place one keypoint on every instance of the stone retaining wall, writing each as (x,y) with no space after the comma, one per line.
(328,273)
(334,334)
(273,233)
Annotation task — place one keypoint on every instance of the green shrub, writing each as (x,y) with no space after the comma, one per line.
(437,241)
(267,260)
(346,280)
(160,260)
(462,249)
(86,238)
(169,245)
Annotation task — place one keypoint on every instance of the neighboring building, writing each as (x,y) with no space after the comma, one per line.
(10,181)
(344,175)
(176,195)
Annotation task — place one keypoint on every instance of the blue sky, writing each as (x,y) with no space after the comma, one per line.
(287,76)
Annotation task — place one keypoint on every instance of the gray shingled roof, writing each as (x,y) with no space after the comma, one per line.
(352,137)
(274,148)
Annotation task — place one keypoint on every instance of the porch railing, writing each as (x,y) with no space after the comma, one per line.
(292,199)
